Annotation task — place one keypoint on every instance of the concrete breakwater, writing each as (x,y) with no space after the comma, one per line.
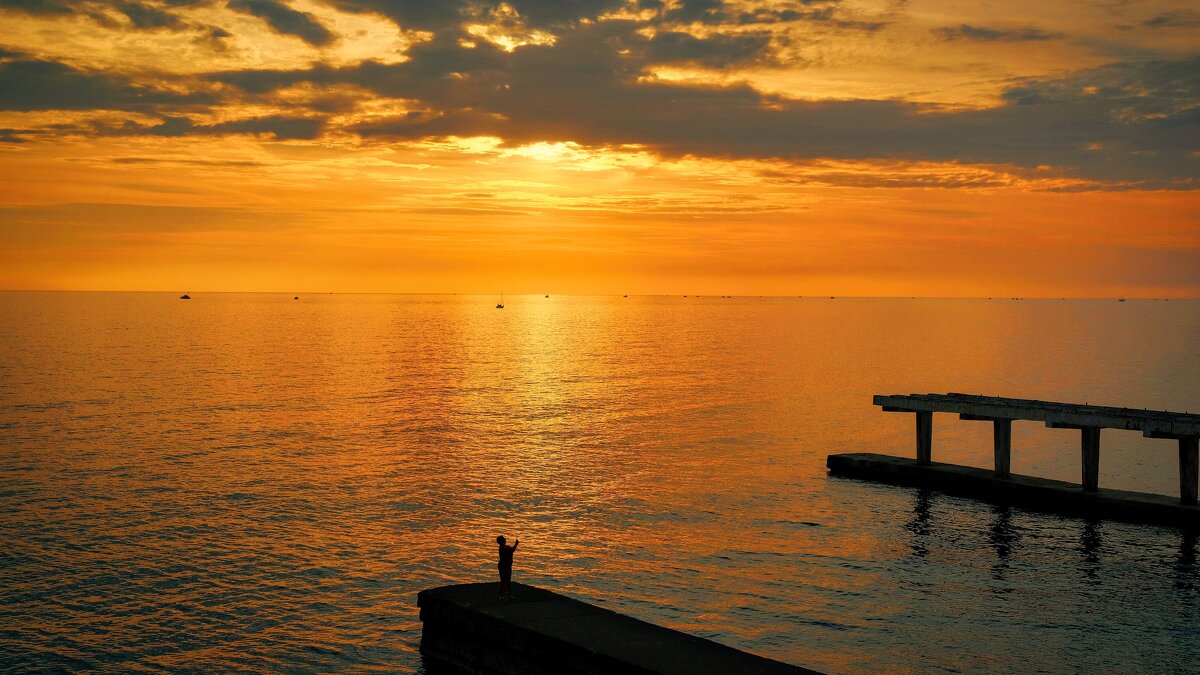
(469,628)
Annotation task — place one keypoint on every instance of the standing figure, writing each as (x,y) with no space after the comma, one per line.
(505,565)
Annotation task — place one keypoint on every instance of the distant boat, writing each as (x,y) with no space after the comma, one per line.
(1120,299)
(185,296)
(500,305)
(627,295)
(296,298)
(547,295)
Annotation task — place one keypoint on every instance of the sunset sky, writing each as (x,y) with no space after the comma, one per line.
(849,147)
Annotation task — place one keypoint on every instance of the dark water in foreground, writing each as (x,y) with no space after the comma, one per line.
(247,482)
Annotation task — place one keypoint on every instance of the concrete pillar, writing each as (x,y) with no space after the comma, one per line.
(1002,441)
(1189,464)
(924,437)
(1091,458)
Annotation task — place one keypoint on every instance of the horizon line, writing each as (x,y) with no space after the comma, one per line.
(817,296)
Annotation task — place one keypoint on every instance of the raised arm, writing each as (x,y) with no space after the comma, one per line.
(516,543)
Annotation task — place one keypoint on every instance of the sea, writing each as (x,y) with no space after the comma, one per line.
(252,482)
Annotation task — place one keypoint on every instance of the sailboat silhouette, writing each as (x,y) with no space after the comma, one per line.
(500,305)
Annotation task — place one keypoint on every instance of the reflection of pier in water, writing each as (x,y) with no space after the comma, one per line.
(1013,538)
(1186,569)
(1004,538)
(1000,485)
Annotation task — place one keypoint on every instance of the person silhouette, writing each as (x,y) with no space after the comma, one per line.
(505,564)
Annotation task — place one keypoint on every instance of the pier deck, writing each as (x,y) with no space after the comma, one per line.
(1088,419)
(469,628)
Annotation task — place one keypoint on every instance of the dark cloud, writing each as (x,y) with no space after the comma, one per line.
(1137,122)
(1180,19)
(866,26)
(147,16)
(8,53)
(1129,122)
(419,124)
(716,51)
(1132,123)
(92,9)
(46,85)
(439,70)
(410,14)
(277,126)
(716,12)
(39,6)
(698,11)
(213,36)
(447,15)
(265,81)
(816,10)
(547,13)
(825,12)
(285,20)
(767,15)
(142,15)
(982,34)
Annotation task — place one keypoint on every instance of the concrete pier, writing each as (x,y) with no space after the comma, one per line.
(1088,419)
(1040,494)
(469,629)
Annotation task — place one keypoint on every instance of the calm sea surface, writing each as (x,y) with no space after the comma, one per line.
(251,482)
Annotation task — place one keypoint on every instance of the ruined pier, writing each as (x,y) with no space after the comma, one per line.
(1086,498)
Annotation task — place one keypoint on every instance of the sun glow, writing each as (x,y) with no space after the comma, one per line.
(506,29)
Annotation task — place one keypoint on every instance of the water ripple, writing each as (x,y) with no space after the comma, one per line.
(235,486)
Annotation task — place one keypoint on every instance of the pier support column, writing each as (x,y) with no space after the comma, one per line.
(1002,440)
(1189,468)
(924,437)
(1091,458)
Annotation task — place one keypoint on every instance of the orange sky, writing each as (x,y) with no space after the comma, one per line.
(601,146)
